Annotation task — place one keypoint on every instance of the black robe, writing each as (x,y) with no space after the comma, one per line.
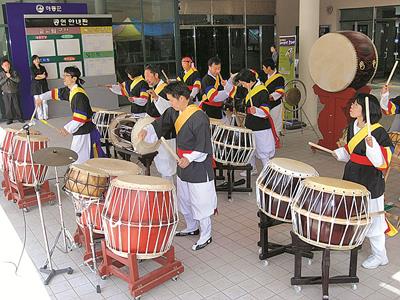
(151,108)
(209,89)
(367,175)
(191,78)
(276,83)
(137,88)
(38,86)
(194,135)
(258,96)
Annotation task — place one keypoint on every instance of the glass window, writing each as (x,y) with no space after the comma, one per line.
(124,11)
(188,7)
(260,7)
(128,43)
(187,42)
(159,41)
(260,19)
(158,10)
(194,19)
(253,47)
(237,49)
(227,7)
(356,14)
(169,69)
(268,39)
(387,12)
(228,19)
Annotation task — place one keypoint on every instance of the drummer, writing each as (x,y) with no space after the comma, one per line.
(390,106)
(197,198)
(135,88)
(366,158)
(215,90)
(258,119)
(191,77)
(157,102)
(156,105)
(85,136)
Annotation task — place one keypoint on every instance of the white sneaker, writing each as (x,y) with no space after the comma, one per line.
(372,262)
(252,173)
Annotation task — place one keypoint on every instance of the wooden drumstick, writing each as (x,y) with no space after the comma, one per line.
(391,73)
(48,124)
(320,147)
(165,75)
(367,115)
(33,115)
(172,152)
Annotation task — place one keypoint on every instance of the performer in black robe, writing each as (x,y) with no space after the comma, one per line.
(197,198)
(366,158)
(85,136)
(135,88)
(215,90)
(391,106)
(191,77)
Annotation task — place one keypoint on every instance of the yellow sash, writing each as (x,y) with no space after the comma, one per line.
(360,136)
(272,78)
(160,87)
(184,116)
(254,91)
(74,91)
(190,72)
(135,82)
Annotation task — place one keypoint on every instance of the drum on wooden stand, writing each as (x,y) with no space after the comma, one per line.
(331,213)
(102,120)
(21,169)
(233,145)
(343,59)
(214,123)
(140,216)
(277,185)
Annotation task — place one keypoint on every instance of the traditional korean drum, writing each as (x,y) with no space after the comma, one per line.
(331,213)
(140,216)
(102,120)
(120,131)
(6,138)
(214,123)
(141,146)
(233,145)
(86,181)
(114,167)
(88,211)
(343,59)
(21,169)
(277,185)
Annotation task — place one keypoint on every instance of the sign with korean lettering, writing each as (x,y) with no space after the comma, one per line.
(84,41)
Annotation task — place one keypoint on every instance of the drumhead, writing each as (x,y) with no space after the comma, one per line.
(333,62)
(114,167)
(335,186)
(85,169)
(33,138)
(141,146)
(293,167)
(143,183)
(114,124)
(235,128)
(216,121)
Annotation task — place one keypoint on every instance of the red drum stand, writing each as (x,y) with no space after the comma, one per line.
(335,117)
(112,264)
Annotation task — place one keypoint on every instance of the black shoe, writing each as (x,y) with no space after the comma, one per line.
(9,122)
(21,120)
(196,247)
(181,233)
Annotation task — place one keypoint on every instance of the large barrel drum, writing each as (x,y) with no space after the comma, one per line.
(343,59)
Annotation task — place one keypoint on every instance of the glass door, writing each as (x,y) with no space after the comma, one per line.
(385,42)
(237,49)
(253,47)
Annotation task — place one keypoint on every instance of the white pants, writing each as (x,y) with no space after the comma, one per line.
(376,232)
(265,147)
(276,114)
(82,146)
(164,161)
(197,202)
(42,111)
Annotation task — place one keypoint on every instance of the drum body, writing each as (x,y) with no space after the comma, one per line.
(233,145)
(343,59)
(277,185)
(140,216)
(120,131)
(214,123)
(20,166)
(88,211)
(331,213)
(86,181)
(102,120)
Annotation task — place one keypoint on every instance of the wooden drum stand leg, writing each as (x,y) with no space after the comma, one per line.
(112,263)
(269,249)
(297,280)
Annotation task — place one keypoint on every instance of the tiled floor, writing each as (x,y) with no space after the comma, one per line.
(229,268)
